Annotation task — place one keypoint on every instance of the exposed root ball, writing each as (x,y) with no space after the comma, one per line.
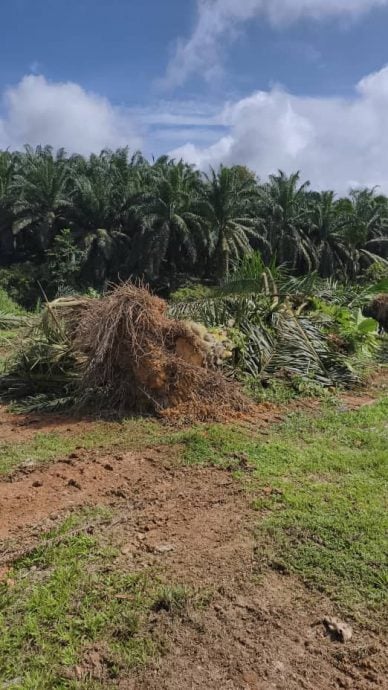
(136,358)
(378,309)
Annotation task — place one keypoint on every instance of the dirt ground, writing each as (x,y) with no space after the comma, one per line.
(23,427)
(197,526)
(15,427)
(259,631)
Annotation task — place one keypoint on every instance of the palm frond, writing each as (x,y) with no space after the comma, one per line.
(9,322)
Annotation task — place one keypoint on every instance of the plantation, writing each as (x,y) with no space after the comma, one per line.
(193,436)
(75,224)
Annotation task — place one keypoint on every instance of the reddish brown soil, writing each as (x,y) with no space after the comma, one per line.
(22,427)
(195,525)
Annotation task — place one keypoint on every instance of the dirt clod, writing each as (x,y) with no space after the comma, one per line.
(338,630)
(73,482)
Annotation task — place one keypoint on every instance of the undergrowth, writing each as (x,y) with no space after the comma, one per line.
(9,306)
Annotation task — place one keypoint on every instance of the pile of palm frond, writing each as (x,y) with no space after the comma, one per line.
(42,369)
(296,326)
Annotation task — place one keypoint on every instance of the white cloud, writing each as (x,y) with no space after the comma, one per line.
(336,143)
(219,20)
(62,114)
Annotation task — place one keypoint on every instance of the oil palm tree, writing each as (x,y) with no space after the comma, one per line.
(283,212)
(41,189)
(172,231)
(227,205)
(332,253)
(365,230)
(7,240)
(99,193)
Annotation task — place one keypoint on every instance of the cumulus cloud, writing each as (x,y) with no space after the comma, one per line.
(336,143)
(219,20)
(63,115)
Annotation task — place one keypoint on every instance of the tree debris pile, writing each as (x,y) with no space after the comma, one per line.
(378,309)
(123,353)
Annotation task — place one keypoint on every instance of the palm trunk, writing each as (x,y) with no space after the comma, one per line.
(222,258)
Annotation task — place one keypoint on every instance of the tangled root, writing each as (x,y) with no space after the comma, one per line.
(135,358)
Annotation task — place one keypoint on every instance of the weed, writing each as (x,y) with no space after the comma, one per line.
(172,599)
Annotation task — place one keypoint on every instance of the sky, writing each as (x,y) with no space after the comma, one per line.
(271,84)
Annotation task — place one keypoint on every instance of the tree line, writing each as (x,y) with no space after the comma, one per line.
(81,222)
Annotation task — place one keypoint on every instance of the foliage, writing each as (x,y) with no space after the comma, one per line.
(20,282)
(9,306)
(191,293)
(169,224)
(64,261)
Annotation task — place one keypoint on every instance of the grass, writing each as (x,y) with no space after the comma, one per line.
(7,335)
(7,338)
(9,306)
(128,435)
(64,600)
(318,484)
(320,488)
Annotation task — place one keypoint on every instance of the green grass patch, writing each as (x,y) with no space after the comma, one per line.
(130,434)
(9,306)
(320,486)
(7,344)
(7,336)
(68,597)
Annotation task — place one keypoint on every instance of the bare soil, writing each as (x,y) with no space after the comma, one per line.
(23,427)
(196,527)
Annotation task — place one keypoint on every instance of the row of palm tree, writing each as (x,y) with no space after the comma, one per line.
(165,221)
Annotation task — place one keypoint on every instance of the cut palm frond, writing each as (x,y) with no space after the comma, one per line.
(10,322)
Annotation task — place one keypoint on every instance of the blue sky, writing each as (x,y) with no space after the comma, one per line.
(261,82)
